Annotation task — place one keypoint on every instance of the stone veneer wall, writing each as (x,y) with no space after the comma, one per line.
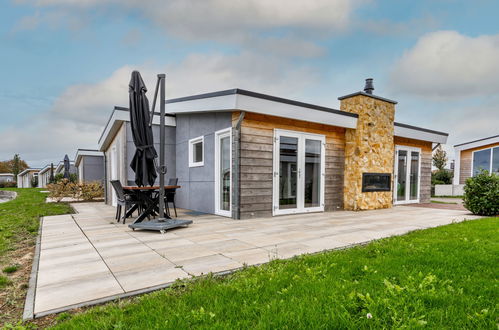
(368,149)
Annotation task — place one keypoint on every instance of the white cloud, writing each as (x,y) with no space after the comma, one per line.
(448,64)
(279,26)
(79,114)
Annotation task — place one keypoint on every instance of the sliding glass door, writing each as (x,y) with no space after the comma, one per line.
(407,175)
(298,172)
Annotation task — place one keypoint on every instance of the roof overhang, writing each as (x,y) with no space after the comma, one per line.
(44,169)
(60,166)
(117,118)
(29,170)
(242,100)
(419,133)
(477,143)
(80,153)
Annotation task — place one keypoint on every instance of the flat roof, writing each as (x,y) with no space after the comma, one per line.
(261,96)
(421,129)
(479,140)
(34,169)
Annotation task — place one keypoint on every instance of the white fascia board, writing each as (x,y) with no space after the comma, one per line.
(80,153)
(234,102)
(477,144)
(45,169)
(416,134)
(117,118)
(278,109)
(217,103)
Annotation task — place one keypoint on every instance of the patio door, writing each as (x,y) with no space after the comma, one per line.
(223,177)
(298,178)
(407,175)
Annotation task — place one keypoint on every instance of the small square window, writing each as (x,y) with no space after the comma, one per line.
(196,152)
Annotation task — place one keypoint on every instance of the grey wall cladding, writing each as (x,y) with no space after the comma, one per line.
(93,168)
(198,183)
(170,154)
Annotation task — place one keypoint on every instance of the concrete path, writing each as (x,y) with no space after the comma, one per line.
(87,258)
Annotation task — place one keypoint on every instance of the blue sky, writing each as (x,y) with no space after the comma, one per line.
(66,63)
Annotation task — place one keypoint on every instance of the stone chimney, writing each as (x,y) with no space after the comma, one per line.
(369,148)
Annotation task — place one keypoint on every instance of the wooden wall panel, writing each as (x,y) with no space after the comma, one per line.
(466,161)
(257,133)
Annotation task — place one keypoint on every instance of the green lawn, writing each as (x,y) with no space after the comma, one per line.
(19,218)
(445,277)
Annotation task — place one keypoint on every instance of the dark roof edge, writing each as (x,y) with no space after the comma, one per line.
(421,129)
(87,150)
(462,144)
(366,94)
(261,96)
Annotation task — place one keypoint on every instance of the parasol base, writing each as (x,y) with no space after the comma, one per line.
(161,225)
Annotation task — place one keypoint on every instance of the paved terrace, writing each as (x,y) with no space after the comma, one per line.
(87,258)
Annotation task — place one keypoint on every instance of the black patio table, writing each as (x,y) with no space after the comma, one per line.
(150,197)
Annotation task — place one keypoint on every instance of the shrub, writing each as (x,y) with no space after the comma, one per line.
(8,184)
(481,194)
(84,191)
(441,177)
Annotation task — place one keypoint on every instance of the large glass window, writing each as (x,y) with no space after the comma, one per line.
(312,173)
(495,160)
(288,164)
(481,161)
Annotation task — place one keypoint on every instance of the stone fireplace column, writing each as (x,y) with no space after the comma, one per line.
(369,148)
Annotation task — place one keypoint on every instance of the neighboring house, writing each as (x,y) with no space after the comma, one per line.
(89,165)
(6,177)
(25,177)
(473,156)
(44,176)
(243,154)
(59,169)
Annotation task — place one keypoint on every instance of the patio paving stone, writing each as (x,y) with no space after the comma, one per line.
(88,256)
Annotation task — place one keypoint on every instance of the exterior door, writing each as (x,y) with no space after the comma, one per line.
(298,178)
(223,177)
(407,175)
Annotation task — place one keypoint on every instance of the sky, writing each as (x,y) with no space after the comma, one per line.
(65,64)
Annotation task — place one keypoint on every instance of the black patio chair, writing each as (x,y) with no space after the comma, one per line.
(124,199)
(170,195)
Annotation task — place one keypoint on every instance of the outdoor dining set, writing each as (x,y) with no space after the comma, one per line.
(144,200)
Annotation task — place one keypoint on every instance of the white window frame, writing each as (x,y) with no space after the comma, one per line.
(191,149)
(301,136)
(218,135)
(407,199)
(472,174)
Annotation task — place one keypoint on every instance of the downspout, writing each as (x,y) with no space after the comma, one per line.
(105,179)
(236,209)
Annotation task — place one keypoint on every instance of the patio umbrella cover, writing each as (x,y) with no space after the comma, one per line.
(66,167)
(143,160)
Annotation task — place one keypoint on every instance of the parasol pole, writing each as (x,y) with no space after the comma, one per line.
(162,166)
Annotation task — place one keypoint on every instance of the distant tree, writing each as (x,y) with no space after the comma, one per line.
(15,166)
(18,165)
(440,158)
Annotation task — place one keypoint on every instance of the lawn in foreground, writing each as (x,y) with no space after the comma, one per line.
(444,277)
(19,221)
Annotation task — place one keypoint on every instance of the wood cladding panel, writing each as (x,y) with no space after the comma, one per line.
(256,168)
(465,163)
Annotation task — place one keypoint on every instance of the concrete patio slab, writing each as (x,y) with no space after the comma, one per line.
(88,258)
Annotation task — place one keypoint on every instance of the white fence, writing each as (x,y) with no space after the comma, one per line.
(449,189)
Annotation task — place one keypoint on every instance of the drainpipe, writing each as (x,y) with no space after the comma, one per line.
(105,178)
(236,211)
